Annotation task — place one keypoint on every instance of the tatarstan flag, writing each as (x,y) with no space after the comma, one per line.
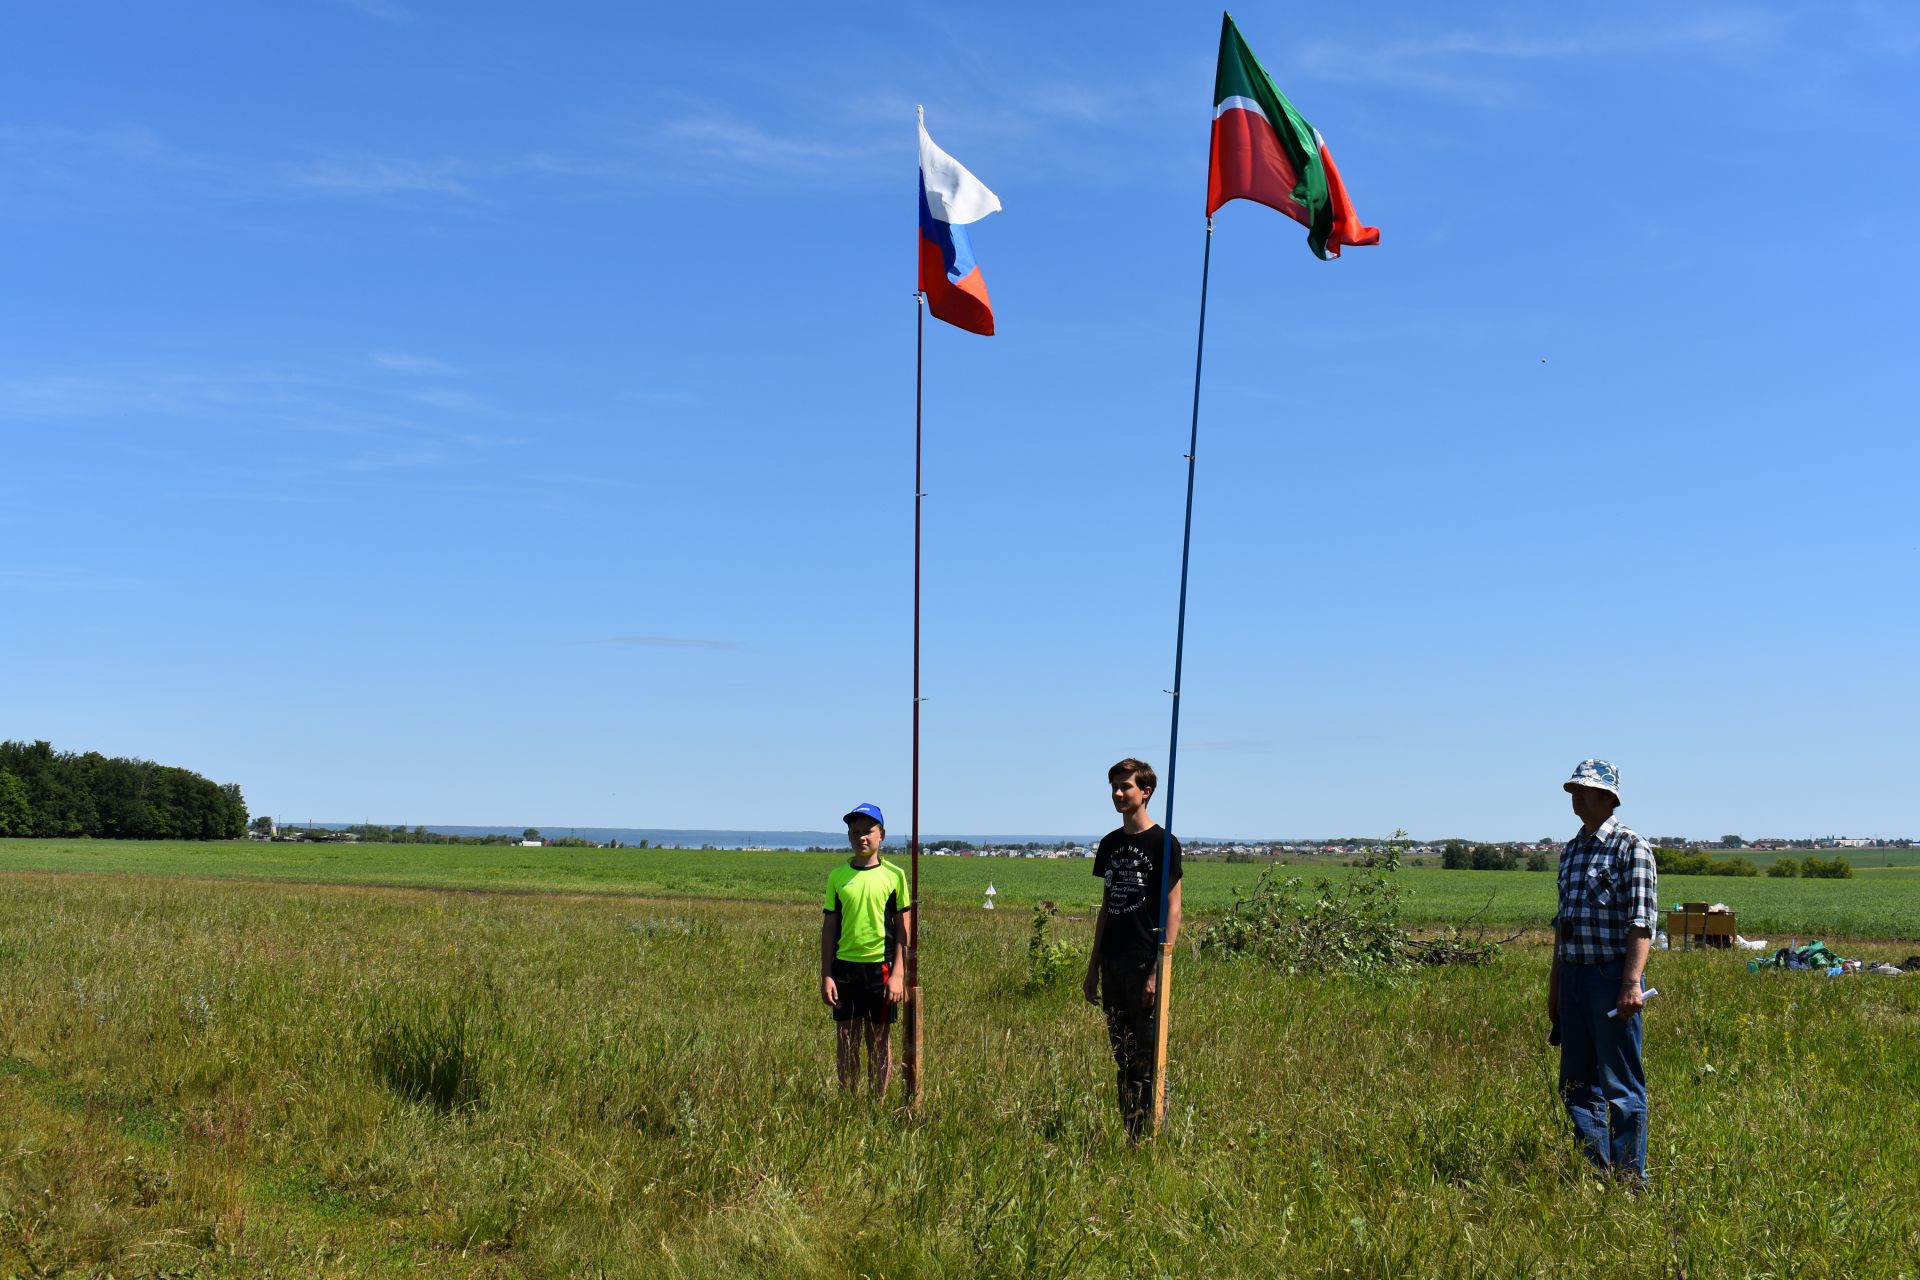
(1265,151)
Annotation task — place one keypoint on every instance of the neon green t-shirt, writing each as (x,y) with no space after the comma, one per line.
(868,900)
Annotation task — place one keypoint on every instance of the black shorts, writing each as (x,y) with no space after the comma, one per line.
(863,992)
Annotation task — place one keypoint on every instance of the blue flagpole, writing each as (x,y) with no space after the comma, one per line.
(1173,736)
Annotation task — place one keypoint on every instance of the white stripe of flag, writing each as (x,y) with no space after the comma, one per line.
(1239,104)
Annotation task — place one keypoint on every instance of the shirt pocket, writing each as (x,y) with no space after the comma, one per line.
(1599,886)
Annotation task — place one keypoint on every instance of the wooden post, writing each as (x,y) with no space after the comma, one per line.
(1165,980)
(910,1046)
(1161,1004)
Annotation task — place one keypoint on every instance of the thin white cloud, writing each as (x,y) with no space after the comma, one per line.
(862,136)
(388,423)
(450,398)
(1888,30)
(1466,66)
(63,396)
(677,138)
(65,157)
(557,164)
(107,393)
(724,137)
(1084,104)
(63,580)
(407,362)
(385,10)
(665,642)
(380,176)
(125,159)
(396,460)
(242,428)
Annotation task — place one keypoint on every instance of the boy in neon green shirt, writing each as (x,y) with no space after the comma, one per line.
(863,939)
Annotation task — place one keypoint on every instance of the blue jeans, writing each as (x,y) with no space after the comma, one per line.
(1602,1080)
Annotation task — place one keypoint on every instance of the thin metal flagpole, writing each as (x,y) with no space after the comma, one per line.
(912,1035)
(1164,979)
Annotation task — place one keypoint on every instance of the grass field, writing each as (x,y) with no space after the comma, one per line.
(255,1059)
(232,1080)
(1878,903)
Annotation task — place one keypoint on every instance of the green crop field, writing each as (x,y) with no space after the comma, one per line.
(247,1059)
(1859,858)
(1880,902)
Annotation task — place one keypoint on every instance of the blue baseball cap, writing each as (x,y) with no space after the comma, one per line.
(865,811)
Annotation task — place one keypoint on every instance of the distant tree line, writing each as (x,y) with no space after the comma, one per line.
(369,831)
(1812,868)
(375,833)
(967,846)
(1459,855)
(44,792)
(1678,862)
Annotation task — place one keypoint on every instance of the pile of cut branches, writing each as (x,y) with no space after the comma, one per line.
(1455,947)
(1346,926)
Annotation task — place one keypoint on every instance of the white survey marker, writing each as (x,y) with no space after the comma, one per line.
(1646,995)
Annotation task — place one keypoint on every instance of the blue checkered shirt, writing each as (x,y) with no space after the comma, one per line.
(1608,885)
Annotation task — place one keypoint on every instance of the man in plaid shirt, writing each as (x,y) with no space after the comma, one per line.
(1609,899)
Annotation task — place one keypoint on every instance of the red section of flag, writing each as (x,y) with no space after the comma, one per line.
(1248,164)
(961,303)
(1346,223)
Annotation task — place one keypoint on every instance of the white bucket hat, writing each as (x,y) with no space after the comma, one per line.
(1598,774)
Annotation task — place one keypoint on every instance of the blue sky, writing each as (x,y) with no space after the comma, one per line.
(480,413)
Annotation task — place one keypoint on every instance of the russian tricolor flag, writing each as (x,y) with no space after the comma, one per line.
(950,198)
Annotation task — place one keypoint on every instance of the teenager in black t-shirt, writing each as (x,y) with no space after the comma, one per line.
(1122,972)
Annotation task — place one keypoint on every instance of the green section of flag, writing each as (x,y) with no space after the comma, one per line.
(1240,75)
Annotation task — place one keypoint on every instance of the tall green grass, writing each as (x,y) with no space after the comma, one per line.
(244,1079)
(430,1045)
(1878,903)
